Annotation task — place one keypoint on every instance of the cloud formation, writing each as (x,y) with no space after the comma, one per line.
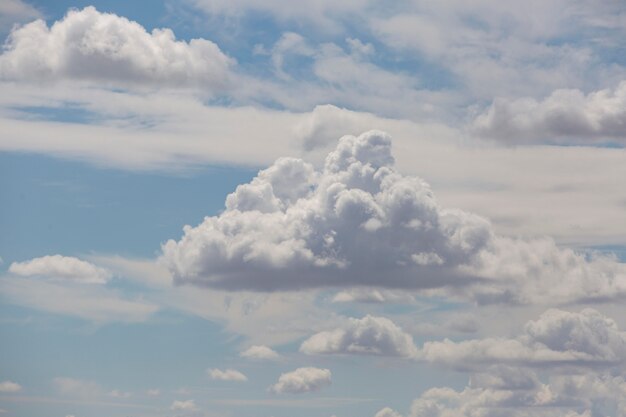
(302,380)
(259,352)
(89,45)
(557,338)
(359,222)
(10,386)
(227,375)
(367,336)
(61,268)
(565,116)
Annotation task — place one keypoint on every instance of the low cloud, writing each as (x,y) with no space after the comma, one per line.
(259,352)
(10,386)
(556,339)
(61,268)
(367,336)
(565,116)
(302,380)
(89,45)
(227,375)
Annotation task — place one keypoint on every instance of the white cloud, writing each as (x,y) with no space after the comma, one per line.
(10,386)
(367,336)
(557,338)
(302,380)
(566,116)
(359,222)
(227,375)
(387,412)
(187,405)
(259,352)
(104,47)
(61,268)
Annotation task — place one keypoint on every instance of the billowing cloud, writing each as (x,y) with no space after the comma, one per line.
(367,336)
(104,47)
(557,338)
(302,380)
(565,116)
(61,268)
(10,386)
(227,375)
(259,352)
(358,222)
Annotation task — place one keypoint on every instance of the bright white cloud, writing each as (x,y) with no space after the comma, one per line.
(360,222)
(227,375)
(10,386)
(566,116)
(557,338)
(302,380)
(259,352)
(61,268)
(104,47)
(367,336)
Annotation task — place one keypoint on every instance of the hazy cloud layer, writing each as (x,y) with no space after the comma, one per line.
(367,336)
(302,380)
(89,45)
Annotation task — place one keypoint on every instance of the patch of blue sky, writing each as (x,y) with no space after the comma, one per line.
(56,206)
(66,112)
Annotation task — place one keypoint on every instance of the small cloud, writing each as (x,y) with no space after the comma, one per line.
(61,268)
(302,380)
(188,405)
(153,392)
(227,375)
(259,352)
(10,386)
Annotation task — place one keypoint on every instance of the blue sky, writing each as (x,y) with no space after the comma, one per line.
(349,209)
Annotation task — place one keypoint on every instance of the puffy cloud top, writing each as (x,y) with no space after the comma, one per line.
(64,268)
(89,45)
(302,380)
(356,222)
(259,352)
(367,336)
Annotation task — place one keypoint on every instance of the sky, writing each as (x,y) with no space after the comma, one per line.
(239,208)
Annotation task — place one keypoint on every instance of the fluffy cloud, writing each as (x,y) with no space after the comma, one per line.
(89,45)
(10,386)
(358,222)
(61,268)
(387,412)
(367,336)
(302,380)
(227,375)
(567,116)
(259,352)
(557,338)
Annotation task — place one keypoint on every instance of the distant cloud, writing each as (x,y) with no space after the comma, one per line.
(367,336)
(565,116)
(557,338)
(10,386)
(373,295)
(302,380)
(259,352)
(187,405)
(227,375)
(61,268)
(89,45)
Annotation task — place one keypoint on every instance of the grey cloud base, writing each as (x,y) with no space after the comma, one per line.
(358,222)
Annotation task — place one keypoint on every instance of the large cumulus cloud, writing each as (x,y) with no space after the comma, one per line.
(89,45)
(359,222)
